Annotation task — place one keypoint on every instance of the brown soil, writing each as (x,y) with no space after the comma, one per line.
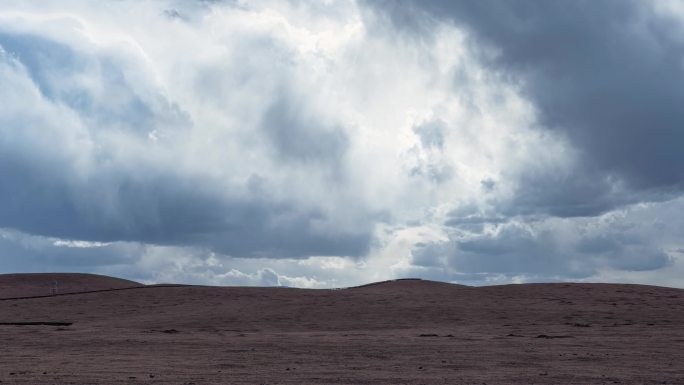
(400,332)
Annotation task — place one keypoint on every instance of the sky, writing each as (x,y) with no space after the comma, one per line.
(333,143)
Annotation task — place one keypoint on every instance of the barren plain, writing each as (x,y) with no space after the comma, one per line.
(101,330)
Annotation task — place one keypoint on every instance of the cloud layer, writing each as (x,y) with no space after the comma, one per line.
(332,144)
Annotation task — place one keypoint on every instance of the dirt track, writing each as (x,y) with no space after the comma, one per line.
(403,332)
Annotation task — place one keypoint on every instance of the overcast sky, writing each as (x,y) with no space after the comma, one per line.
(333,143)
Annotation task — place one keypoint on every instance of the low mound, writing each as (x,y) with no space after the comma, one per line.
(43,284)
(409,285)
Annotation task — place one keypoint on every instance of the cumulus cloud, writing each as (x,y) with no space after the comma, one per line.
(331,144)
(93,149)
(638,239)
(600,79)
(599,75)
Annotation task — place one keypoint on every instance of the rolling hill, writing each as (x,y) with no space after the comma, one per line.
(399,332)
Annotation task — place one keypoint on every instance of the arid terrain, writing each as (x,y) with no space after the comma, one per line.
(100,330)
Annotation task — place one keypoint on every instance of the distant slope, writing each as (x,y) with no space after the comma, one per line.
(409,285)
(38,284)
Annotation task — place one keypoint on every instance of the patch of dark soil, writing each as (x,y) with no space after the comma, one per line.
(548,337)
(39,323)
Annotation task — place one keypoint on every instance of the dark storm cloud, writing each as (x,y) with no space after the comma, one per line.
(577,194)
(266,230)
(153,207)
(631,253)
(513,250)
(606,75)
(538,250)
(297,136)
(22,252)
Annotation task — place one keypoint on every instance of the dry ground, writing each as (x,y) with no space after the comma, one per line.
(400,332)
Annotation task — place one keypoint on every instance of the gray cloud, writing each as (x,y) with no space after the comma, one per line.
(23,252)
(605,78)
(577,194)
(431,134)
(539,249)
(112,101)
(427,159)
(297,136)
(78,164)
(513,250)
(604,74)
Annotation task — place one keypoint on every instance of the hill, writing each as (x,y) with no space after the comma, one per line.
(42,284)
(404,332)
